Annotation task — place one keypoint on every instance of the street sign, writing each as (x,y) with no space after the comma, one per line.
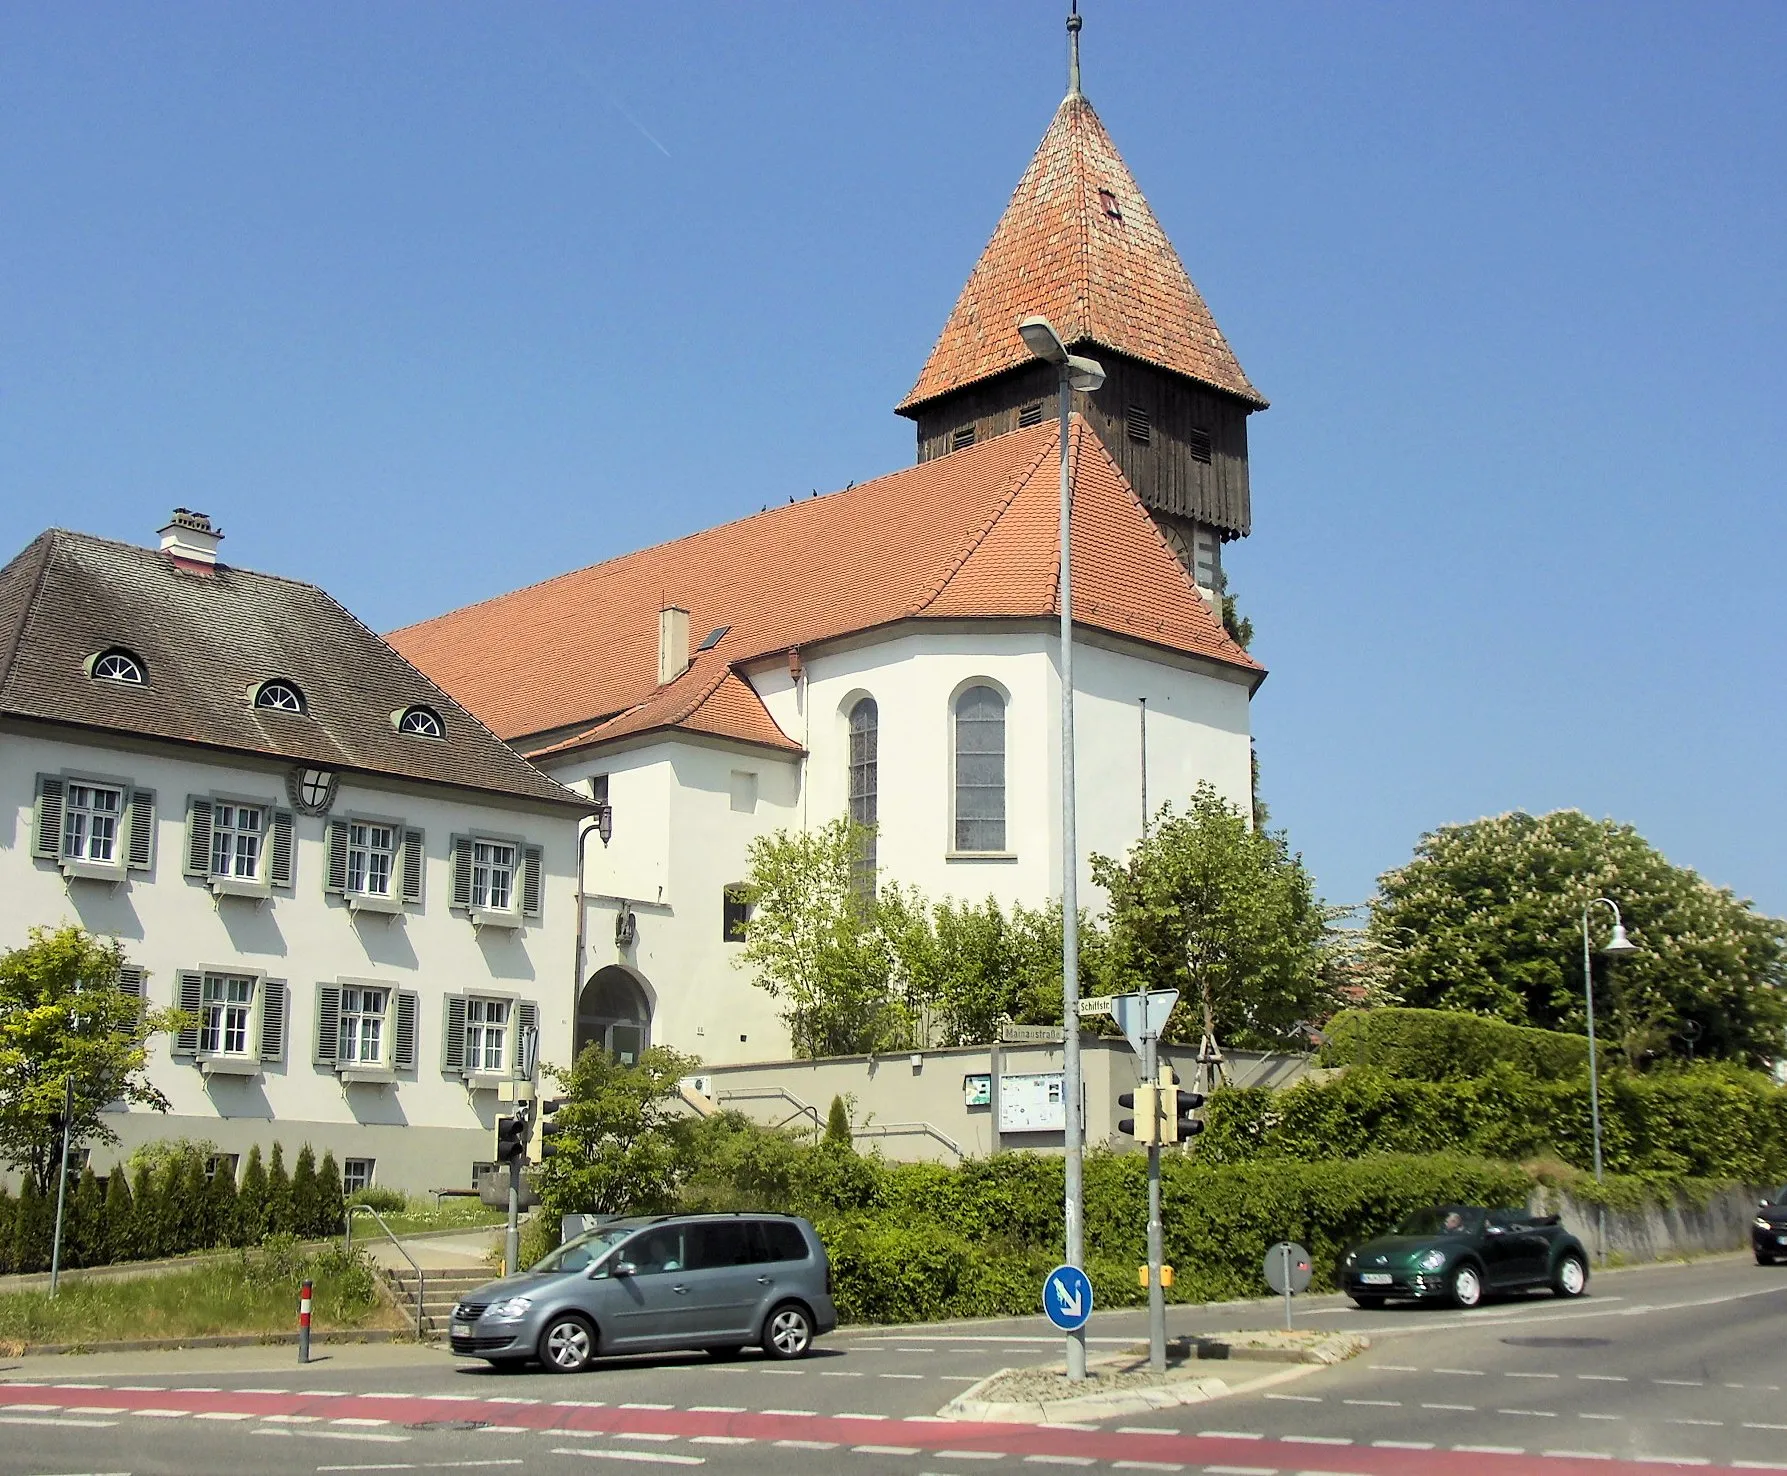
(1067,1298)
(1010,1034)
(1100,1004)
(1287,1267)
(1143,1016)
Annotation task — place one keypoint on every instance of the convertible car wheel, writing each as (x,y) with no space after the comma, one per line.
(1467,1286)
(1571,1277)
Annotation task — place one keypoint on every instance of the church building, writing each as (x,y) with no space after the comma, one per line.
(892,651)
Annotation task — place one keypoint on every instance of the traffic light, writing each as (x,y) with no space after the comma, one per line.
(1176,1107)
(1144,1127)
(543,1146)
(512,1134)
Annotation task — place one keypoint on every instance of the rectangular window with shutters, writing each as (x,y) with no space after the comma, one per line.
(362,1028)
(90,817)
(371,858)
(499,880)
(93,826)
(493,876)
(226,1016)
(365,1030)
(486,1036)
(236,834)
(242,847)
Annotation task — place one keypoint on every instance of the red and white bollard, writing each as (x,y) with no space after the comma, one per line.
(304,1322)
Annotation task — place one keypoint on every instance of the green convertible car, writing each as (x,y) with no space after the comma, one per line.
(1460,1254)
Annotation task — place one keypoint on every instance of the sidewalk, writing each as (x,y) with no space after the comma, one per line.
(464,1252)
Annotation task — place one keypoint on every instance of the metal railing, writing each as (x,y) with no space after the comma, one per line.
(415,1265)
(773,1094)
(909,1130)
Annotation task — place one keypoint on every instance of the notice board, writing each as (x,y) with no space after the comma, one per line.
(1032,1103)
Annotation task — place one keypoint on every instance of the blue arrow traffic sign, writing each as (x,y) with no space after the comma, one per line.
(1067,1298)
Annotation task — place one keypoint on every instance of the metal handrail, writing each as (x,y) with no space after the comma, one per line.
(415,1265)
(748,1094)
(907,1129)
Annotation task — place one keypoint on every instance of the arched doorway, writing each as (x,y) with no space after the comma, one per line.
(614,1013)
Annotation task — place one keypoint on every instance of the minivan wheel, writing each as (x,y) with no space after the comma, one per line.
(1467,1286)
(567,1345)
(1571,1278)
(788,1333)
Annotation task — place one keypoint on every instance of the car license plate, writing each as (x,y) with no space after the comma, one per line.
(1376,1278)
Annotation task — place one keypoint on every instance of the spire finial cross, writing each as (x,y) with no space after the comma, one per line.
(1073,48)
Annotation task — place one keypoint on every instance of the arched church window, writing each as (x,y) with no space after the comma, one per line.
(865,725)
(980,770)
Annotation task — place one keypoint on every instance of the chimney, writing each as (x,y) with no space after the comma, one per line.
(191,541)
(673,643)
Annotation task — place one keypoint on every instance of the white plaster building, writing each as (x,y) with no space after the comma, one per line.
(892,649)
(360,894)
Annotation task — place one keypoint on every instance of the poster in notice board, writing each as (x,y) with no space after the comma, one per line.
(1032,1103)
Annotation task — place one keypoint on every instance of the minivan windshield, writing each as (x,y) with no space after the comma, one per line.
(583,1252)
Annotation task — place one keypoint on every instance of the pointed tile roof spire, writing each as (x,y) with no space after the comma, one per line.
(1078,244)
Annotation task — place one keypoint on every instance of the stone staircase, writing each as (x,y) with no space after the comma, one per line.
(442,1287)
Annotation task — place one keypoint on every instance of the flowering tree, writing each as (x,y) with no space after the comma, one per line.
(1487,917)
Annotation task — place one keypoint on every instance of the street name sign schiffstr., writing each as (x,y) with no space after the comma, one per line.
(1138,1016)
(1067,1298)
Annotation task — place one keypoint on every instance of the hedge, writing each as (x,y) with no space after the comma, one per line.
(1709,1122)
(1448,1045)
(170,1207)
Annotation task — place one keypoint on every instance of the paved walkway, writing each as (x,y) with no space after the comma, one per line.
(467,1252)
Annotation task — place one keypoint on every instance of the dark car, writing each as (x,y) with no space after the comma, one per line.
(1768,1231)
(647,1284)
(1460,1254)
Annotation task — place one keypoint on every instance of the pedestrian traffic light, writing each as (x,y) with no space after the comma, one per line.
(543,1146)
(1144,1127)
(1176,1107)
(512,1134)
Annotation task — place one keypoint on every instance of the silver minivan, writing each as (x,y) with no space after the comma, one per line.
(646,1284)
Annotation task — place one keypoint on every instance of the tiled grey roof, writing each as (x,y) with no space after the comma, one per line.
(207,641)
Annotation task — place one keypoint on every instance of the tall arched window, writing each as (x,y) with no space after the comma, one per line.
(865,725)
(980,770)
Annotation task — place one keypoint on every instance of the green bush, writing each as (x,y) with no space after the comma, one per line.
(1448,1045)
(385,1201)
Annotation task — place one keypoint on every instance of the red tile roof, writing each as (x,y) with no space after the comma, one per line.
(1111,279)
(969,535)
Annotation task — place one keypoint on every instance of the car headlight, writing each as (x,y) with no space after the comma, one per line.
(1351,1258)
(1431,1261)
(1761,1224)
(511,1310)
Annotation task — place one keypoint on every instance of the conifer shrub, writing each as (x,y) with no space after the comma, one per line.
(331,1207)
(220,1194)
(118,1229)
(251,1201)
(145,1223)
(8,1208)
(83,1236)
(279,1193)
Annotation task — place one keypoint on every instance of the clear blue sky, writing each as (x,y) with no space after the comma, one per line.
(427,302)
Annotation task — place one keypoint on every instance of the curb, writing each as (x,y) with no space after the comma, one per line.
(1097,1407)
(221,1340)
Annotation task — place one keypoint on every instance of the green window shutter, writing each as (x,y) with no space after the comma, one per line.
(273,992)
(462,871)
(46,834)
(198,835)
(131,980)
(192,999)
(409,1008)
(453,1034)
(527,1017)
(415,861)
(336,881)
(533,858)
(284,858)
(142,830)
(328,1024)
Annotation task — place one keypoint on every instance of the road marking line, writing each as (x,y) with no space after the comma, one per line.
(512,1400)
(842,1373)
(807,1444)
(1682,1383)
(1240,1471)
(1376,1403)
(162,1414)
(1228,1435)
(98,1409)
(716,1409)
(1146,1466)
(849,1414)
(1758,1426)
(1402,1444)
(653,1436)
(655,1457)
(1058,1460)
(804,1413)
(1673,1460)
(1315,1439)
(1393,1367)
(349,1420)
(970,1455)
(77,1386)
(648,1406)
(1489,1449)
(1577,1455)
(389,1466)
(386,1394)
(1147,1429)
(578,1404)
(1693,1422)
(34,1408)
(958,1378)
(899,1376)
(47,1420)
(1605,1378)
(1542,1414)
(272,1391)
(884,1450)
(1511,1374)
(1759,1466)
(722,1440)
(225,1414)
(292,1419)
(1297,1398)
(343,1394)
(369,1437)
(1475,1373)
(1052,1424)
(1460,1408)
(196,1389)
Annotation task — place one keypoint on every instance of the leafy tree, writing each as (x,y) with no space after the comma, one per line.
(279,1193)
(619,1138)
(1487,917)
(63,1017)
(837,1125)
(251,1201)
(1209,905)
(820,948)
(119,1242)
(331,1207)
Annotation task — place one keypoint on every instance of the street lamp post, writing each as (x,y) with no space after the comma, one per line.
(1085,375)
(1618,944)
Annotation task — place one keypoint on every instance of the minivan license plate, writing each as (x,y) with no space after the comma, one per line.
(1376,1278)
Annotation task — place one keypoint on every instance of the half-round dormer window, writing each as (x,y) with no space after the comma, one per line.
(118,665)
(280,696)
(421,722)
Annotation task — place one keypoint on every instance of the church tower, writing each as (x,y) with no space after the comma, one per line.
(1079,245)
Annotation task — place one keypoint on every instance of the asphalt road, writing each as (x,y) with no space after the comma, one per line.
(1662,1365)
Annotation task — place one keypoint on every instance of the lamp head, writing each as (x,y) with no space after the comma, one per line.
(1085,375)
(1041,339)
(605,822)
(1619,942)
